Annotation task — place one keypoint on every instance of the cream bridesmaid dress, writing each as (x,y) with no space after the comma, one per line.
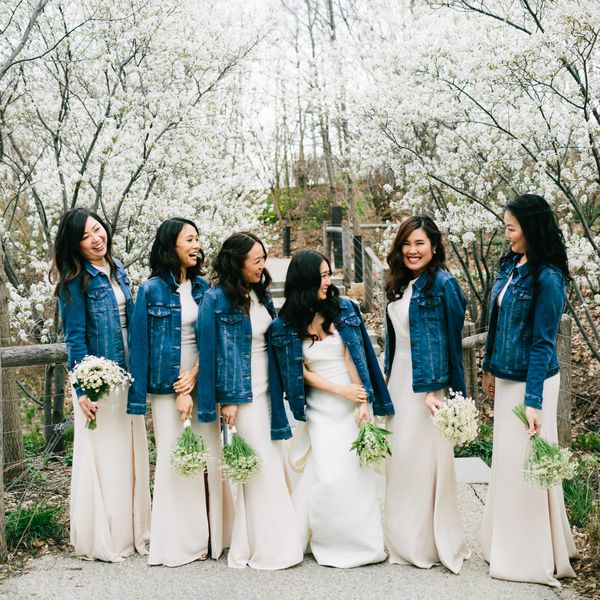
(421,520)
(265,532)
(110,495)
(182,507)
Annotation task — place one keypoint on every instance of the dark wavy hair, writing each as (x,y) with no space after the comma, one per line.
(67,260)
(302,283)
(228,265)
(545,240)
(399,274)
(163,257)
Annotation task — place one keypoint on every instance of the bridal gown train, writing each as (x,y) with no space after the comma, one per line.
(335,498)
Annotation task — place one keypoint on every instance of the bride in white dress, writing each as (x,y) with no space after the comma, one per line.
(335,498)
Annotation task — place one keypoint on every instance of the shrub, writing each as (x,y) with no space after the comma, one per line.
(25,526)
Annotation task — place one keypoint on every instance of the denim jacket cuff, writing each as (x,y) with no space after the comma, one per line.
(136,409)
(281,434)
(485,365)
(207,416)
(78,391)
(533,401)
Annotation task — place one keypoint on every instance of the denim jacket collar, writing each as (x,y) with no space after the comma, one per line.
(91,269)
(511,265)
(421,281)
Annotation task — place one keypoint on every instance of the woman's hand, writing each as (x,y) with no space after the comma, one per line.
(489,385)
(184,405)
(229,413)
(186,381)
(534,420)
(432,402)
(88,408)
(363,413)
(354,392)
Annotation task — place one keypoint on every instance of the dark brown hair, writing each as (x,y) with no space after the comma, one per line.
(228,265)
(399,274)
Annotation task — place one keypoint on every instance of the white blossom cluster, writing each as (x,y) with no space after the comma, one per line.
(457,419)
(548,469)
(371,444)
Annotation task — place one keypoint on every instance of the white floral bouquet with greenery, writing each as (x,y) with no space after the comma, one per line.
(371,444)
(546,463)
(240,461)
(456,419)
(190,455)
(97,377)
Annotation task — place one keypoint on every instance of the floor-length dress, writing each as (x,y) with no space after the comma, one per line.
(335,498)
(422,522)
(265,531)
(525,534)
(110,494)
(180,529)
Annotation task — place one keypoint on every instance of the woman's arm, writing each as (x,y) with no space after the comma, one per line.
(454,308)
(354,391)
(138,355)
(206,326)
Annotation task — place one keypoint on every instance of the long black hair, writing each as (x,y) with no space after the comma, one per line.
(399,274)
(67,260)
(302,284)
(163,257)
(544,239)
(228,265)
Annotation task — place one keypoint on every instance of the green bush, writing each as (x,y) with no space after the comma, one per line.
(587,441)
(481,447)
(580,494)
(24,526)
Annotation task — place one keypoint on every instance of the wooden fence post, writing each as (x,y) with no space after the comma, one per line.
(3,552)
(470,364)
(563,349)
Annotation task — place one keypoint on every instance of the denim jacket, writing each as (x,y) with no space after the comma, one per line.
(436,321)
(287,349)
(90,319)
(521,342)
(224,336)
(156,339)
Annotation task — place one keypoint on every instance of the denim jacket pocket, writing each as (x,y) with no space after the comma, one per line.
(97,298)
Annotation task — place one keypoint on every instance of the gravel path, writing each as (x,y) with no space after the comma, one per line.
(68,578)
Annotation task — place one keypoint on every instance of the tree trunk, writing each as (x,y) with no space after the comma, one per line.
(14,455)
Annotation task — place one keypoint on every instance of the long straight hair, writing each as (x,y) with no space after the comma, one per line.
(544,239)
(302,284)
(228,265)
(68,262)
(163,256)
(399,274)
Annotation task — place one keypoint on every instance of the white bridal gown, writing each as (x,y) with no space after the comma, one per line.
(421,520)
(110,495)
(265,530)
(180,515)
(335,498)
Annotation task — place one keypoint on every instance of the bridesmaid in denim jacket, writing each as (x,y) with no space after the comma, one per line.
(237,374)
(425,316)
(165,367)
(110,495)
(525,534)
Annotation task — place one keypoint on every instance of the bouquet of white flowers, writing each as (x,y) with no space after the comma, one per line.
(240,461)
(456,419)
(97,377)
(371,444)
(190,455)
(546,464)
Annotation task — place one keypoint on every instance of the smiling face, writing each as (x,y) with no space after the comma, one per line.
(93,242)
(417,251)
(325,280)
(514,234)
(187,247)
(254,265)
